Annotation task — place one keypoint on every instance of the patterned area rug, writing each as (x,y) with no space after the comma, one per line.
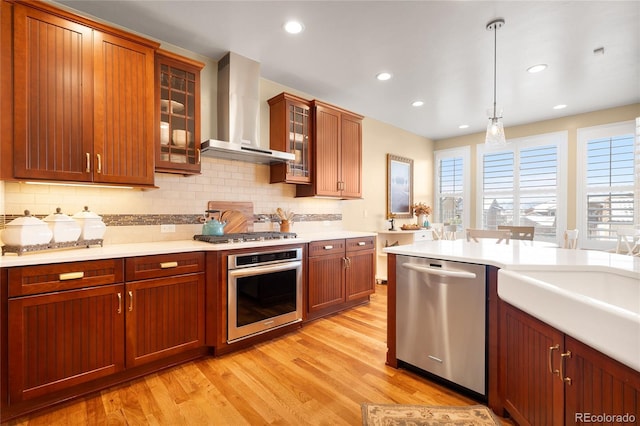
(422,415)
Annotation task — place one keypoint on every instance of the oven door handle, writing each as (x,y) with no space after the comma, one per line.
(243,272)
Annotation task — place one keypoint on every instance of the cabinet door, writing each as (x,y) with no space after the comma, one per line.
(178,111)
(62,339)
(165,316)
(599,385)
(326,281)
(531,393)
(351,154)
(327,151)
(123,111)
(360,281)
(53,84)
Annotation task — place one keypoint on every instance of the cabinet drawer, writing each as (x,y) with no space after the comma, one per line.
(25,280)
(357,244)
(163,265)
(326,247)
(423,235)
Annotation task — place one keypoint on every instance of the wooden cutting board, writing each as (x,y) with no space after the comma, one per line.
(238,214)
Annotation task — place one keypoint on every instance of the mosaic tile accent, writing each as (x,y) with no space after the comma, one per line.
(182,219)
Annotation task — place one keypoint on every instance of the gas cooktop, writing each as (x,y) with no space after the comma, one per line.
(244,237)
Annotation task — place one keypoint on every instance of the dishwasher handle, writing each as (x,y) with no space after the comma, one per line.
(439,271)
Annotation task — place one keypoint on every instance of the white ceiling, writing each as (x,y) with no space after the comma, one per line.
(437,51)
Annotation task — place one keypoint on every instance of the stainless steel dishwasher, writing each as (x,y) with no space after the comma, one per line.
(441,319)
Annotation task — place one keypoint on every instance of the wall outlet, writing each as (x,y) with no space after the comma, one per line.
(168,228)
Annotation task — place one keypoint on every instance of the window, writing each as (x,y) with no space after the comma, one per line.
(607,183)
(524,184)
(452,186)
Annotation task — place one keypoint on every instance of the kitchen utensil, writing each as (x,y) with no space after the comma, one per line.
(26,231)
(181,137)
(236,221)
(164,133)
(213,226)
(93,228)
(64,228)
(244,207)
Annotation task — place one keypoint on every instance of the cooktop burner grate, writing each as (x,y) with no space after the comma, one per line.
(244,237)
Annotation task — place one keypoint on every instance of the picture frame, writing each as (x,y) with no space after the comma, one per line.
(399,187)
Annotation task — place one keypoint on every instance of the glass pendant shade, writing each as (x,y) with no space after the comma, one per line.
(495,133)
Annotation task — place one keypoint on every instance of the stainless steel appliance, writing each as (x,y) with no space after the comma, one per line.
(264,291)
(441,319)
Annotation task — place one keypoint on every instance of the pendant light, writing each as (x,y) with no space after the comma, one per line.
(495,128)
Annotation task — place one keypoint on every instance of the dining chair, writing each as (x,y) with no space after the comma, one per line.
(571,239)
(449,232)
(499,234)
(520,232)
(437,231)
(628,241)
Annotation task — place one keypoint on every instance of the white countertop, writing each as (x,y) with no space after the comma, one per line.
(112,251)
(521,255)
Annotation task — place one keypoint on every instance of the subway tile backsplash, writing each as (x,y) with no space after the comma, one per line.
(136,215)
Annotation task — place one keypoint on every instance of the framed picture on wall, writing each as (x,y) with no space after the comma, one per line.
(399,187)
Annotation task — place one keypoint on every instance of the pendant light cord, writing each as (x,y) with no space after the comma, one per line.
(495,66)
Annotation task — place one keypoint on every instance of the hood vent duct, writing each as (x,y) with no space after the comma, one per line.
(239,114)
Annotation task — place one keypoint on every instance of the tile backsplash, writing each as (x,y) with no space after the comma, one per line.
(136,215)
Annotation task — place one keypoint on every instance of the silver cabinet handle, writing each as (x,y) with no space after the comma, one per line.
(362,243)
(327,247)
(119,302)
(551,349)
(71,276)
(130,300)
(166,265)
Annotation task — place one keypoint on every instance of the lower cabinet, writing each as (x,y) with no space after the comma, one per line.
(341,274)
(548,377)
(73,323)
(164,315)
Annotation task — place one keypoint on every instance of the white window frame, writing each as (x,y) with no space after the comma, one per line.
(560,140)
(465,153)
(584,135)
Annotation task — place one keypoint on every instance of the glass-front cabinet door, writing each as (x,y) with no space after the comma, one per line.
(290,131)
(178,112)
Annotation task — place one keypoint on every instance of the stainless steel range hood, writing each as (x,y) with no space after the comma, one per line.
(239,114)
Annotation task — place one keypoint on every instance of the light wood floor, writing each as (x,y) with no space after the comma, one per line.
(318,375)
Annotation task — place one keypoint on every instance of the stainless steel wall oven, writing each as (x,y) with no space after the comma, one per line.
(264,291)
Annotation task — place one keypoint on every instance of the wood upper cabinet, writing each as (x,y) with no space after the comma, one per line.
(337,154)
(83,99)
(290,131)
(177,110)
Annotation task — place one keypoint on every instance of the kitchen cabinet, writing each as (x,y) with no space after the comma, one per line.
(164,306)
(178,113)
(337,153)
(341,274)
(67,326)
(83,99)
(290,131)
(547,377)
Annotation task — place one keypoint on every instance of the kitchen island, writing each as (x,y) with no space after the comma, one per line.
(510,329)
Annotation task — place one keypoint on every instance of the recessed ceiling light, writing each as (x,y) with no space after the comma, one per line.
(463,126)
(417,103)
(383,76)
(537,68)
(293,27)
(560,106)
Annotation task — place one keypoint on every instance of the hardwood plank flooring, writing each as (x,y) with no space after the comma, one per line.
(318,375)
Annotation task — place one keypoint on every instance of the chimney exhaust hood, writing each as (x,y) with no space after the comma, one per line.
(239,114)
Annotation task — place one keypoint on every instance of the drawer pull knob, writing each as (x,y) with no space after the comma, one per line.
(362,243)
(71,276)
(166,265)
(327,247)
